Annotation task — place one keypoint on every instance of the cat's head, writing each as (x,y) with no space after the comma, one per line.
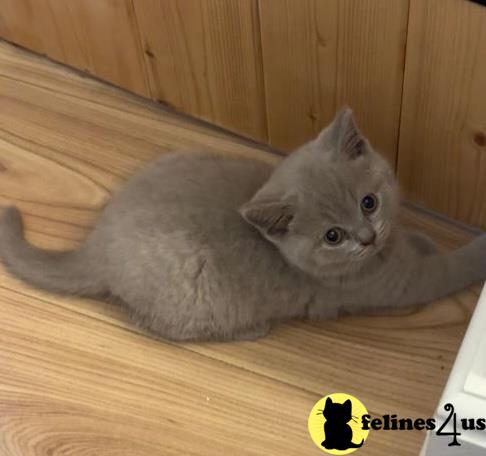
(336,412)
(329,206)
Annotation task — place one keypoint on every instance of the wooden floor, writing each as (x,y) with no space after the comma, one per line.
(77,379)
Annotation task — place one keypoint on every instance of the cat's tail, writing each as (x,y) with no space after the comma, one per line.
(356,445)
(65,272)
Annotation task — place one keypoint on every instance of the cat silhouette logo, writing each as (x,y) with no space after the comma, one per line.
(335,424)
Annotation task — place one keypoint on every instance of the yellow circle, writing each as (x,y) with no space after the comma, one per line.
(341,432)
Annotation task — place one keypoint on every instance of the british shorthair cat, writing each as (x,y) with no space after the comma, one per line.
(199,246)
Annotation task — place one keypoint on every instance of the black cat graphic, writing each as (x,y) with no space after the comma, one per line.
(339,434)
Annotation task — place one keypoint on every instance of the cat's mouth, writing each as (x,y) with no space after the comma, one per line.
(382,234)
(368,251)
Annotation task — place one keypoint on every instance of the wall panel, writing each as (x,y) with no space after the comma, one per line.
(19,23)
(318,55)
(204,58)
(442,153)
(97,36)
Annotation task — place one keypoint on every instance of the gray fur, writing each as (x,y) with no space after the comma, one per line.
(207,247)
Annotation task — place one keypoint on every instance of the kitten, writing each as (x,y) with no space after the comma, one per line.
(207,247)
(338,433)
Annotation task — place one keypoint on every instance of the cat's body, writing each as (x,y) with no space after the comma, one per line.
(204,247)
(209,279)
(185,263)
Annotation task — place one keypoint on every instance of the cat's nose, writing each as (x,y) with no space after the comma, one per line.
(366,236)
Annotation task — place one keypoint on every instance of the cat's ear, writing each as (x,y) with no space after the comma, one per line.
(348,405)
(328,403)
(272,218)
(343,137)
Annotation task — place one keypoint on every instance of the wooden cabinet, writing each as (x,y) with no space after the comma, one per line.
(275,71)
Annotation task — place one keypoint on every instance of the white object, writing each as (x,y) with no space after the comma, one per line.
(466,391)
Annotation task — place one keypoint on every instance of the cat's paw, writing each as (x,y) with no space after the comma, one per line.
(477,256)
(421,243)
(255,333)
(325,444)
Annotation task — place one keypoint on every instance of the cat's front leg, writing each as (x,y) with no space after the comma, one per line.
(421,243)
(431,277)
(257,332)
(324,306)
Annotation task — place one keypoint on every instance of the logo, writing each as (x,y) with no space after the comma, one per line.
(335,424)
(339,424)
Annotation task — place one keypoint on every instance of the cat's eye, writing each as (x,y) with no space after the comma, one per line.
(369,203)
(334,236)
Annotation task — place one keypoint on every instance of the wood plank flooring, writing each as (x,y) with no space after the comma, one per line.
(77,379)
